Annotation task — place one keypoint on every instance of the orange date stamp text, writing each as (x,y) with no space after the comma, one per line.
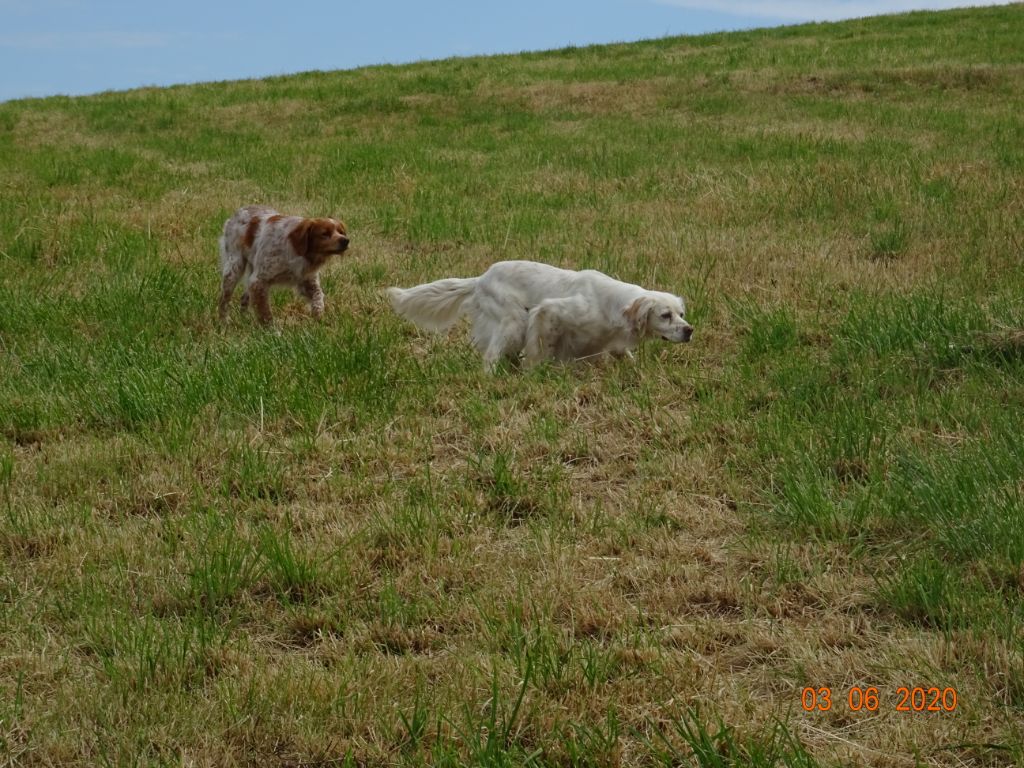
(870,699)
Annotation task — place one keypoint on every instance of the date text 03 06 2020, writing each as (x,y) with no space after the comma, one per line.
(907,699)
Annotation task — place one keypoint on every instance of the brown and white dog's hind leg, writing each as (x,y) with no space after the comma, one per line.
(243,303)
(232,274)
(260,297)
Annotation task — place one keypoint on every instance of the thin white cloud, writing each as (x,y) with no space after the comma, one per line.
(817,10)
(87,41)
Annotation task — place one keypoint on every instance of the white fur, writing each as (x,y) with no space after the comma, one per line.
(545,312)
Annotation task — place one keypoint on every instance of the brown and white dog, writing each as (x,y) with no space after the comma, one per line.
(270,249)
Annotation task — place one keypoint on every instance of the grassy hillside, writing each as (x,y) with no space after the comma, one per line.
(344,544)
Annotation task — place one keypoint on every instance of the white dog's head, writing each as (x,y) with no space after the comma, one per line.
(659,315)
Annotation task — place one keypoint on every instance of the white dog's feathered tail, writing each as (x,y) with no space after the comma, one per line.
(433,306)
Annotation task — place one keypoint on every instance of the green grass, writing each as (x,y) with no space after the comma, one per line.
(342,544)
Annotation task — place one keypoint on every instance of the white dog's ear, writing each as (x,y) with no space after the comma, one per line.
(636,315)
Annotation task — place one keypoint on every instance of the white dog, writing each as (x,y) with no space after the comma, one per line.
(545,312)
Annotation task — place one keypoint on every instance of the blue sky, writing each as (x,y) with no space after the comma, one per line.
(84,46)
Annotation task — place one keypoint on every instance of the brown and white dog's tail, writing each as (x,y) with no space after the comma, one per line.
(433,306)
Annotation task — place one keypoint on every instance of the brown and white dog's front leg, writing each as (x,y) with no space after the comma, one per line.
(313,293)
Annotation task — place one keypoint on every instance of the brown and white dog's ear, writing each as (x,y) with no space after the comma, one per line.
(301,237)
(636,315)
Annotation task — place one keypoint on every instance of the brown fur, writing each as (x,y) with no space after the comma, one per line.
(250,233)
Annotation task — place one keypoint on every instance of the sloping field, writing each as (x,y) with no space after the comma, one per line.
(344,544)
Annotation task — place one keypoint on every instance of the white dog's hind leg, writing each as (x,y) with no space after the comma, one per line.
(506,341)
(499,327)
(538,335)
(557,330)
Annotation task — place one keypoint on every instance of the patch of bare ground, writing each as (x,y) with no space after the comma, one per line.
(55,127)
(599,97)
(860,84)
(266,115)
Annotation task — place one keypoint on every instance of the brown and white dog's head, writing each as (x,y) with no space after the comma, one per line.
(659,315)
(316,240)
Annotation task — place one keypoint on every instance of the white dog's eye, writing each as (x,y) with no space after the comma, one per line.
(666,315)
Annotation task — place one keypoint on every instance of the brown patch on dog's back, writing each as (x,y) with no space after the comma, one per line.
(250,232)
